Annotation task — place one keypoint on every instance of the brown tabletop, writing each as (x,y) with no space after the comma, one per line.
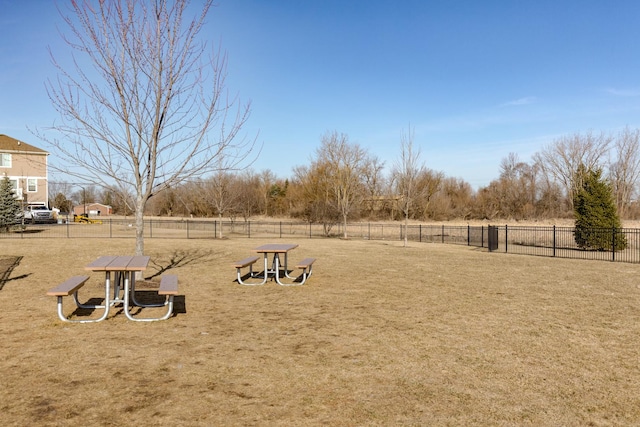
(278,248)
(119,263)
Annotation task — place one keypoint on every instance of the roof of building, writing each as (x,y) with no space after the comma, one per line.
(8,144)
(93,204)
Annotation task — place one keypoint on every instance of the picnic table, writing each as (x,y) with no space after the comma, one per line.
(124,269)
(275,266)
(277,249)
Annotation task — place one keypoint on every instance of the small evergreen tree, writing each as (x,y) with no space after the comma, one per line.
(597,224)
(9,206)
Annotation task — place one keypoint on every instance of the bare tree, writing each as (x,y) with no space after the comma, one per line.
(560,160)
(624,171)
(453,200)
(406,174)
(345,164)
(219,192)
(518,186)
(374,182)
(314,200)
(143,106)
(249,194)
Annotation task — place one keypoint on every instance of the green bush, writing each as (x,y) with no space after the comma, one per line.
(9,206)
(597,224)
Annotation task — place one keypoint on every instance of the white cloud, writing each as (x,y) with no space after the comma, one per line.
(623,92)
(521,101)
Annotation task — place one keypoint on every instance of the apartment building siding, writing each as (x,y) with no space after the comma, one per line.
(27,169)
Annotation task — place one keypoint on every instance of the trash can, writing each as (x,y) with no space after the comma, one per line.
(493,238)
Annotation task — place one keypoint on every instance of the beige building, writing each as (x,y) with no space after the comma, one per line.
(26,168)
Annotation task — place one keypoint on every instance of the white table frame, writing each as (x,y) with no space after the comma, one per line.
(276,249)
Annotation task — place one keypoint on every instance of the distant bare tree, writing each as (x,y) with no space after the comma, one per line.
(314,201)
(453,200)
(266,180)
(406,174)
(429,184)
(248,194)
(518,186)
(374,181)
(143,107)
(219,192)
(55,189)
(624,171)
(122,203)
(560,159)
(345,165)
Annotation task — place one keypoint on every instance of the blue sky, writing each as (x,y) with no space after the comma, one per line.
(476,80)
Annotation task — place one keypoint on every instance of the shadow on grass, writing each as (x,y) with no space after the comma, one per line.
(178,258)
(7,265)
(144,296)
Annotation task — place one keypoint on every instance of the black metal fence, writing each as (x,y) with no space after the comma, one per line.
(550,241)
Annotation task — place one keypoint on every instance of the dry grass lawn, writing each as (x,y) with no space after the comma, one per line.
(380,335)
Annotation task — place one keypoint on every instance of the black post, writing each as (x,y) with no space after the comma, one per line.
(554,241)
(506,238)
(493,238)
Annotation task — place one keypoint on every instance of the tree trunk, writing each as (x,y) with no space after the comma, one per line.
(406,227)
(139,215)
(345,226)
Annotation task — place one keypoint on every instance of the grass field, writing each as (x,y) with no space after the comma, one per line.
(380,335)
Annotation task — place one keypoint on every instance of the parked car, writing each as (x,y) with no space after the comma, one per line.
(38,214)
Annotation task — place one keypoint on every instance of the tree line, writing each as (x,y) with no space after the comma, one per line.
(344,181)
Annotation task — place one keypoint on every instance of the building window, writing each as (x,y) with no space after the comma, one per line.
(32,185)
(17,192)
(5,160)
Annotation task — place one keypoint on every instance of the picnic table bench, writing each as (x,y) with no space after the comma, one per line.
(246,262)
(71,287)
(273,270)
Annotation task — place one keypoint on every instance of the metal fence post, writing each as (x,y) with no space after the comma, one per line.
(554,241)
(506,238)
(613,244)
(249,229)
(188,229)
(150,228)
(442,233)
